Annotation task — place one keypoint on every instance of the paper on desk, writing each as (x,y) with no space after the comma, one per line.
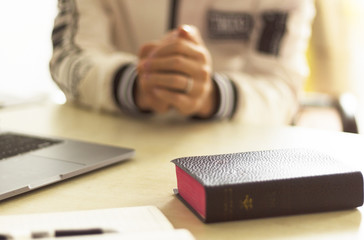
(124,220)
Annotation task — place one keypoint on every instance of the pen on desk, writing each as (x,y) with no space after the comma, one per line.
(61,233)
(70,232)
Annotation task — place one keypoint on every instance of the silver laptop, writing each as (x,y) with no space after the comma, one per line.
(29,162)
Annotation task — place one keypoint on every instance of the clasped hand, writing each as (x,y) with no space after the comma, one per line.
(175,73)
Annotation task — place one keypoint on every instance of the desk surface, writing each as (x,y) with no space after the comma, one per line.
(148,179)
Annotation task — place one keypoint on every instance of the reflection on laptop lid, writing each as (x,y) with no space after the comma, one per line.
(29,162)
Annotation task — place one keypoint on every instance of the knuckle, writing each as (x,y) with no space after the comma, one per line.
(201,55)
(205,73)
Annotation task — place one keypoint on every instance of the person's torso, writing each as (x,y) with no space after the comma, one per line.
(231,29)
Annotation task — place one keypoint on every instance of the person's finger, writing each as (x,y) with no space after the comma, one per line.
(184,104)
(145,99)
(147,49)
(175,64)
(171,81)
(158,106)
(148,102)
(181,47)
(170,36)
(190,32)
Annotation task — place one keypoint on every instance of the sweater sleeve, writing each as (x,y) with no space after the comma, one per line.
(85,63)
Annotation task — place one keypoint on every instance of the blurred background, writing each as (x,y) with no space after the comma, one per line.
(25,51)
(335,54)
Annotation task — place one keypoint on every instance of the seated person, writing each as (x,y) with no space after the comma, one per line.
(217,59)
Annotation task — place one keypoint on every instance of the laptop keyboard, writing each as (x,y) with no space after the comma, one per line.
(12,144)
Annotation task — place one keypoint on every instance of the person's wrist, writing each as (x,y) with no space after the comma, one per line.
(210,106)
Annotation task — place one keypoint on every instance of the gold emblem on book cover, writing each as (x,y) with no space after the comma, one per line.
(247,203)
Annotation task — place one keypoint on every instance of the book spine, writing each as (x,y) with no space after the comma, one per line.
(284,197)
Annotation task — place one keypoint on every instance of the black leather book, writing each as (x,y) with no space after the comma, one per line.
(266,183)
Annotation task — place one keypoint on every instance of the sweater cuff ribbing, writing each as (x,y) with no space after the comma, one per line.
(227,96)
(124,83)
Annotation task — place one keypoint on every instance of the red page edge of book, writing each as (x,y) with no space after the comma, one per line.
(191,191)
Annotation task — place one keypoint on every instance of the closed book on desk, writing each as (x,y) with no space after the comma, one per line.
(266,183)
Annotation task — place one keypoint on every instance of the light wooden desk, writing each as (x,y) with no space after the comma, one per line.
(149,178)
